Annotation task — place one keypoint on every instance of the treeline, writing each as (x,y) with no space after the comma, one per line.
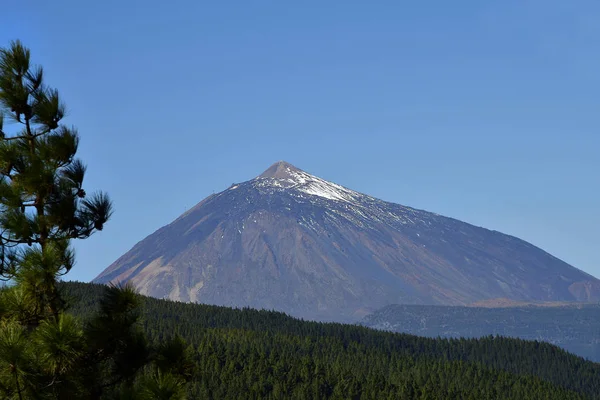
(262,354)
(575,328)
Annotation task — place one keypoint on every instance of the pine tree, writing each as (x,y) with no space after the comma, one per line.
(45,352)
(43,204)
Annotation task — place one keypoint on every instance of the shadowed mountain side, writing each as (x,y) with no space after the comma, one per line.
(574,327)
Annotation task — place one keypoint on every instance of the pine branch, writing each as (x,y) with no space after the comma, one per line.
(7,240)
(32,136)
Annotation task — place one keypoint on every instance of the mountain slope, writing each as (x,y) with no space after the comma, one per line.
(290,241)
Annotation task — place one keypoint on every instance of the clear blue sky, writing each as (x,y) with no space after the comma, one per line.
(483,111)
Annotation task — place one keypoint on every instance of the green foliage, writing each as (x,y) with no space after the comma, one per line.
(59,344)
(42,200)
(46,353)
(162,386)
(105,356)
(249,354)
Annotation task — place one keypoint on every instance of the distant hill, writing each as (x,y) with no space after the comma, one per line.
(575,328)
(252,354)
(290,241)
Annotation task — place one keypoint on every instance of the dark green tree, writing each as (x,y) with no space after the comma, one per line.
(43,204)
(46,353)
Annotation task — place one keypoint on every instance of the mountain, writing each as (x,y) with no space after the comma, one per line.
(574,327)
(293,242)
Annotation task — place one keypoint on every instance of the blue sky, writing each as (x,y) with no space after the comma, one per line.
(482,111)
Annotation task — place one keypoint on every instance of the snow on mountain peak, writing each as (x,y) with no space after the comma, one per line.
(286,176)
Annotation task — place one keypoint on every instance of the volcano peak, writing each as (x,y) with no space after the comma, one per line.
(280,170)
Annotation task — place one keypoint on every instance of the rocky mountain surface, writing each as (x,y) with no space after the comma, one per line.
(290,241)
(574,327)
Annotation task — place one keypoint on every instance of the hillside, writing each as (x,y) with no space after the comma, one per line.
(575,328)
(261,354)
(290,241)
